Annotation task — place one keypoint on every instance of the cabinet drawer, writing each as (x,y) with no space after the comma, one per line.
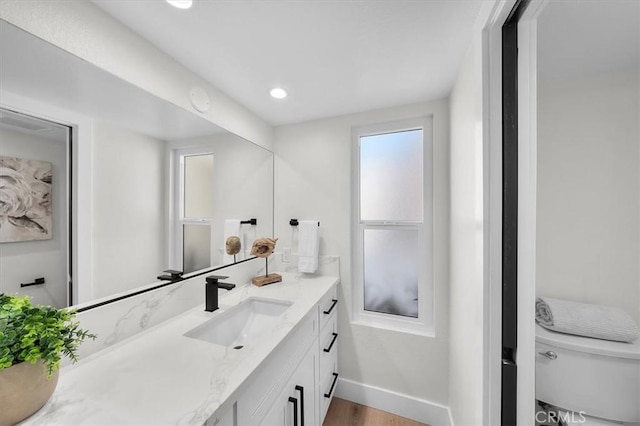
(328,306)
(265,385)
(328,366)
(328,383)
(329,339)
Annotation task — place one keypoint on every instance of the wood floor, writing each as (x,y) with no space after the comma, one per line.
(347,413)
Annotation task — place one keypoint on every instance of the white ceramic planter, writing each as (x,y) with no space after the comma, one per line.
(24,389)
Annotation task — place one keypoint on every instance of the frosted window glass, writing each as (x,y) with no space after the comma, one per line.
(198,186)
(196,248)
(391,271)
(391,176)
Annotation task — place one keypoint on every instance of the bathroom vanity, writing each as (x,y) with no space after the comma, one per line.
(277,367)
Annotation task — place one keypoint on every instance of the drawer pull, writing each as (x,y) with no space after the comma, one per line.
(294,401)
(333,305)
(335,336)
(333,385)
(301,390)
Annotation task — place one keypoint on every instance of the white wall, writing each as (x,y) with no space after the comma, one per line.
(466,256)
(84,30)
(22,262)
(129,205)
(588,215)
(313,181)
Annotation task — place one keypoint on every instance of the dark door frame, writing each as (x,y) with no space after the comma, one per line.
(510,213)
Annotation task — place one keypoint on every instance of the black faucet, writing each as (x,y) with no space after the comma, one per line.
(173,276)
(211,291)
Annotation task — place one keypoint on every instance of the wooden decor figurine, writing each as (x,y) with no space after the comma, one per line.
(263,247)
(233,246)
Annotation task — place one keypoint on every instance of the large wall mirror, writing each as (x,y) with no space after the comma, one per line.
(140,184)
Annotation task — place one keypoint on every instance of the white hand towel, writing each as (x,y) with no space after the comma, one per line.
(231,228)
(600,322)
(308,245)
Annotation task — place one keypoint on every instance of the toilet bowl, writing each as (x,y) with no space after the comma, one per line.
(592,381)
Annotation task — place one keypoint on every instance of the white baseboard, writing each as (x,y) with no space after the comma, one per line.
(420,410)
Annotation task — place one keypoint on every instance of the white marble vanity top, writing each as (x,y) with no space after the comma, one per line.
(161,377)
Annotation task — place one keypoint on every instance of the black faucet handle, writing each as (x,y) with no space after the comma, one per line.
(226,286)
(213,279)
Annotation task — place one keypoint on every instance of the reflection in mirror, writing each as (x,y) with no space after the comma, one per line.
(34,212)
(126,149)
(588,209)
(196,181)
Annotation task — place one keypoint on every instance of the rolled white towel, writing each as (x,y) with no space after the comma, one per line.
(582,319)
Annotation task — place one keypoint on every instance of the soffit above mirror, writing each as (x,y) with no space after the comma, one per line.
(29,66)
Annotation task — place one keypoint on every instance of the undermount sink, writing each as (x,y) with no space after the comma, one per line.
(241,324)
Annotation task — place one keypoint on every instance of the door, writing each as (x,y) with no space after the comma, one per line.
(35,213)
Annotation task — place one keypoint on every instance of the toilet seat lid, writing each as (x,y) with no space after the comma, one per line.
(588,344)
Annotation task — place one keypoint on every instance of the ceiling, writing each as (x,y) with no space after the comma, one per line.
(334,57)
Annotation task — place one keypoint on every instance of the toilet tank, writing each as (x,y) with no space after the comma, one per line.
(599,377)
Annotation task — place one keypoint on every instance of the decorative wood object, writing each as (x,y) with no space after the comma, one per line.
(233,245)
(264,247)
(261,280)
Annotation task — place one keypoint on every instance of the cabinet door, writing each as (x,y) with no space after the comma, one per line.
(275,416)
(269,380)
(302,388)
(297,404)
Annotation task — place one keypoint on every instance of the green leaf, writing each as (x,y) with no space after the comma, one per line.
(30,333)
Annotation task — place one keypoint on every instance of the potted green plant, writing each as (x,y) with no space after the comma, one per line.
(33,340)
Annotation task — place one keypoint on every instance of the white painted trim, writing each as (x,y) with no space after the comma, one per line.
(396,403)
(424,325)
(527,188)
(491,26)
(525,358)
(82,183)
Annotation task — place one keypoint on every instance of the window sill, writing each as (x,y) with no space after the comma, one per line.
(397,325)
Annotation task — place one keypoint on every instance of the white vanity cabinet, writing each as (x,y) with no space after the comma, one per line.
(294,385)
(294,357)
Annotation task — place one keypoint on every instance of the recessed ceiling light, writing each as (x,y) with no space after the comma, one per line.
(181,4)
(278,93)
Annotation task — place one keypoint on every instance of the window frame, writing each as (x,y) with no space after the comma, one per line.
(424,323)
(179,219)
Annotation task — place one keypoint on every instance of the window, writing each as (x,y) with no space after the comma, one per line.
(393,285)
(194,210)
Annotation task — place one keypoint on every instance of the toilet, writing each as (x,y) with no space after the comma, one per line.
(588,381)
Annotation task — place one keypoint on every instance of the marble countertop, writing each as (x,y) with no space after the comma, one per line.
(161,377)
